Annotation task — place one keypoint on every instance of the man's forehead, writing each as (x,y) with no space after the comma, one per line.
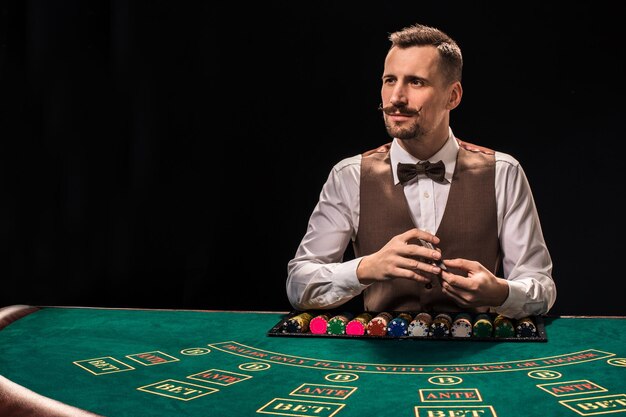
(414,60)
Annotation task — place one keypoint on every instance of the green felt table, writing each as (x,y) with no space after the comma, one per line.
(131,362)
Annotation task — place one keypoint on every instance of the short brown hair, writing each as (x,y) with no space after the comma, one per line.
(420,35)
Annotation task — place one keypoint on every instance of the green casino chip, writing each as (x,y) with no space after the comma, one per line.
(482,327)
(337,324)
(503,327)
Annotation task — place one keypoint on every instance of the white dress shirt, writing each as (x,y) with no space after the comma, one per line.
(317,278)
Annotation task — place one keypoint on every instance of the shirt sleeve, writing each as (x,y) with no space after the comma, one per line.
(527,264)
(316,277)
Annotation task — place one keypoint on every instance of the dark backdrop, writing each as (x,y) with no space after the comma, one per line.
(168,154)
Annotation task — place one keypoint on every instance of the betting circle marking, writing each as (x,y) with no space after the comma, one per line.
(254,366)
(195,351)
(544,374)
(445,380)
(617,362)
(341,377)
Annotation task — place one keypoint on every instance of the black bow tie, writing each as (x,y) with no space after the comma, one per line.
(436,171)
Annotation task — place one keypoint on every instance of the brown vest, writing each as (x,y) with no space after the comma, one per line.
(468,227)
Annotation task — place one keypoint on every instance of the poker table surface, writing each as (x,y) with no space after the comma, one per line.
(86,361)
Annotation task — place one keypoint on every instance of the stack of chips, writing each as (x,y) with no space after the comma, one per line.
(503,327)
(483,327)
(420,326)
(337,324)
(525,327)
(394,324)
(319,323)
(298,323)
(441,325)
(378,325)
(399,325)
(462,325)
(358,325)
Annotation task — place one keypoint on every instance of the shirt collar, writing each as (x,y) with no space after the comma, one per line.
(447,154)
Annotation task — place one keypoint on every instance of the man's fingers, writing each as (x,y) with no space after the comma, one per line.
(418,234)
(416,265)
(417,250)
(454,294)
(412,269)
(463,264)
(404,273)
(456,281)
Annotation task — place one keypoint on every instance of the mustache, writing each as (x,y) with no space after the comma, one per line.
(391,109)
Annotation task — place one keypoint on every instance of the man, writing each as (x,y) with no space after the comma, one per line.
(425,237)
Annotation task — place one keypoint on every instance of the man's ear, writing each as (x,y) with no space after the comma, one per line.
(455,94)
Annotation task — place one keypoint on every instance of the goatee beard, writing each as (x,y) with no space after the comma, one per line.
(414,131)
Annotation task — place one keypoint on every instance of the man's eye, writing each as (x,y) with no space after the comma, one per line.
(417,82)
(389,81)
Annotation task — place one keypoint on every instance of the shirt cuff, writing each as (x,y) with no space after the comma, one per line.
(345,286)
(345,273)
(513,306)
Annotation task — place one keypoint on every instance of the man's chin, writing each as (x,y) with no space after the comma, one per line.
(403,134)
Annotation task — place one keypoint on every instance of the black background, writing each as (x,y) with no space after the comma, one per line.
(168,154)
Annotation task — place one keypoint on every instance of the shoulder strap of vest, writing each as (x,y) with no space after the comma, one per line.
(474,148)
(463,144)
(381,149)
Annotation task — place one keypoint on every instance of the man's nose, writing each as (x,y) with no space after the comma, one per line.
(398,97)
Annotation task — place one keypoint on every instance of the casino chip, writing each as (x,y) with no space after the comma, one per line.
(441,324)
(503,327)
(399,325)
(298,323)
(420,326)
(525,327)
(482,327)
(358,325)
(462,325)
(378,325)
(319,324)
(337,324)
